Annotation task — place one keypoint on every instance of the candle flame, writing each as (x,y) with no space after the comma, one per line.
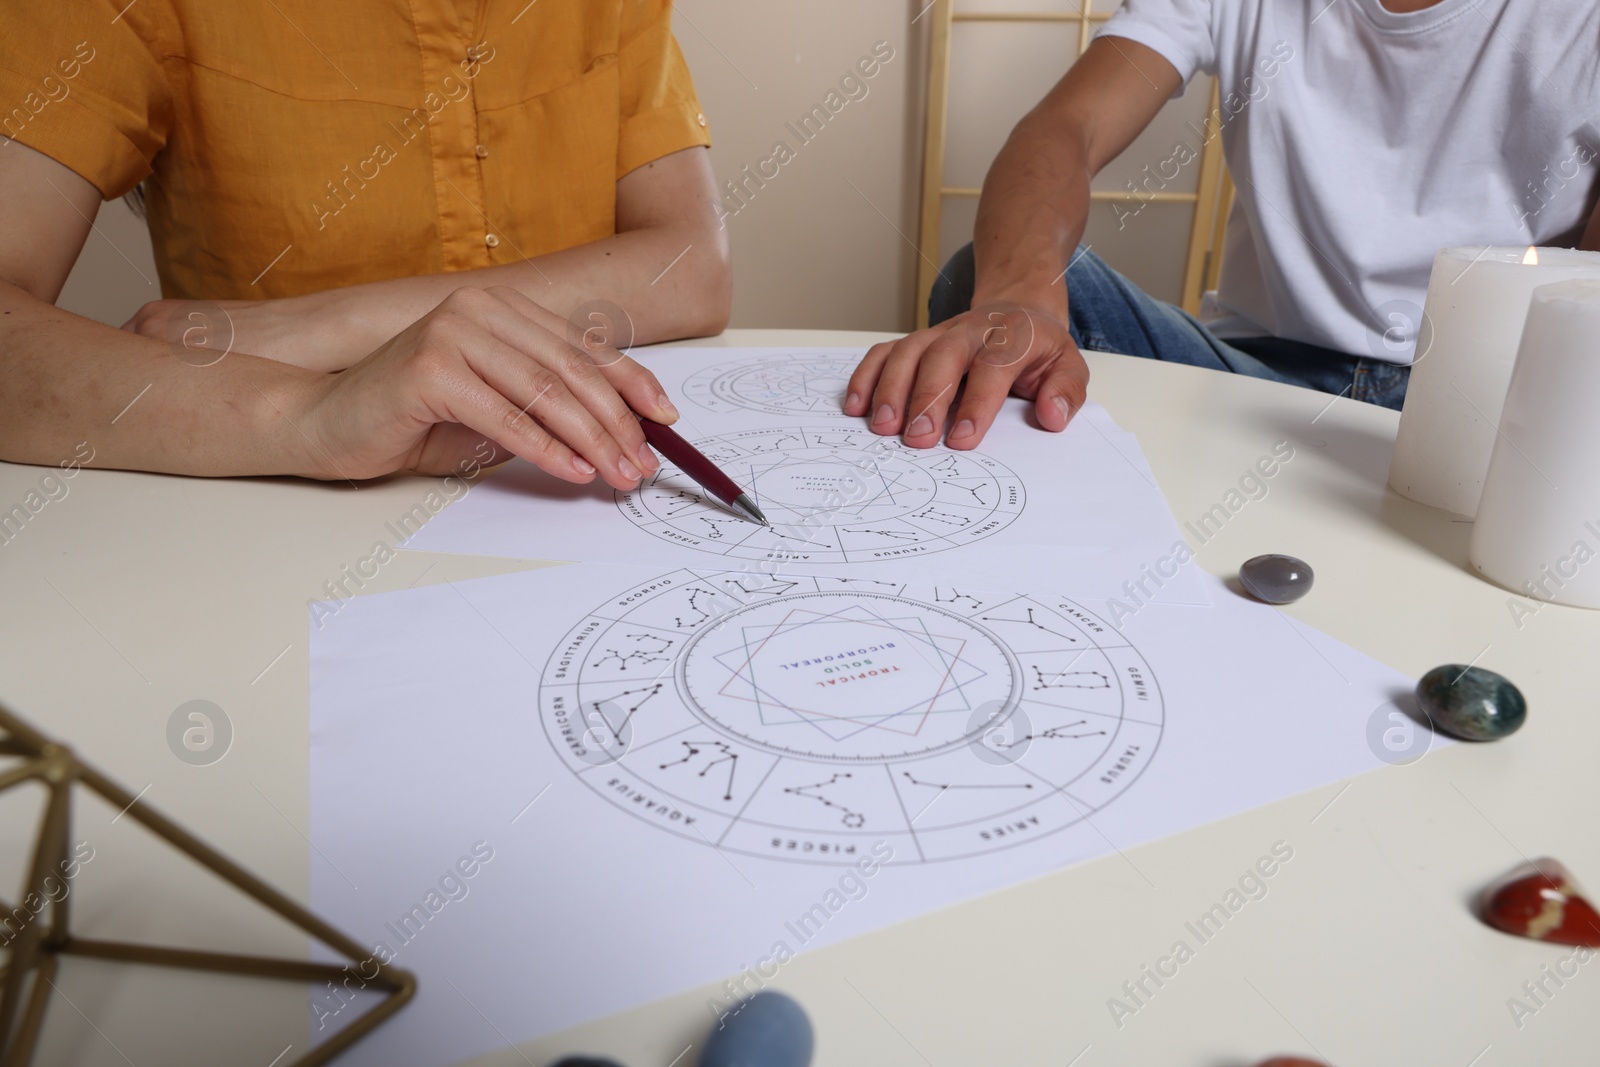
(1532,258)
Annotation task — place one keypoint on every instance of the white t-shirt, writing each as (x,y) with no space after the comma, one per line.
(1362,141)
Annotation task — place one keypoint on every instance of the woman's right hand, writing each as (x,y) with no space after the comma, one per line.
(485,366)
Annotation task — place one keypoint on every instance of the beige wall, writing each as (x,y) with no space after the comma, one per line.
(821,245)
(115,273)
(828,241)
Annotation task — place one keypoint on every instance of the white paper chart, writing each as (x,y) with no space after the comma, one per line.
(669,768)
(809,384)
(805,718)
(1079,510)
(833,496)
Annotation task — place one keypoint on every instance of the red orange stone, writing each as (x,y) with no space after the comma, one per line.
(1541,900)
(1290,1061)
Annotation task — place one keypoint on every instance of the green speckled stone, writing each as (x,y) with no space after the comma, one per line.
(1471,703)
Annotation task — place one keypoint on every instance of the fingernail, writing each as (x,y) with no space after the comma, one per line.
(582,466)
(885,414)
(629,471)
(666,405)
(852,400)
(919,426)
(1063,407)
(963,428)
(647,457)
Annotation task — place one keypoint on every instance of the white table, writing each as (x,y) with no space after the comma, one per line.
(138,592)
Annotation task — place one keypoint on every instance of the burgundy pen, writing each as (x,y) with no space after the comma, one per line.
(692,461)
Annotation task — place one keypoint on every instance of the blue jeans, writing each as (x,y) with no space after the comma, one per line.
(1108,313)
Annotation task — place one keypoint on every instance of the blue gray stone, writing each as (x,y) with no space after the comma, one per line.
(767,1030)
(1471,703)
(1276,579)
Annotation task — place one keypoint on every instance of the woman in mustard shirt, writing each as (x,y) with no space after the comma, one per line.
(372,222)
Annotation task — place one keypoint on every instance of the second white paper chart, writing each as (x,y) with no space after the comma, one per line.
(666,789)
(1026,508)
(803,718)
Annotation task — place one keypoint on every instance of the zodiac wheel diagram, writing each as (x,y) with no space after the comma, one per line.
(833,496)
(805,384)
(810,719)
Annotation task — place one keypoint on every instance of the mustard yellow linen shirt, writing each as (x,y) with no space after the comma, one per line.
(300,145)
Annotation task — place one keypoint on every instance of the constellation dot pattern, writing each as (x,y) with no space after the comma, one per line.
(806,719)
(840,495)
(802,384)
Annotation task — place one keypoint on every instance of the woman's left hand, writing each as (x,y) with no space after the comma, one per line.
(294,330)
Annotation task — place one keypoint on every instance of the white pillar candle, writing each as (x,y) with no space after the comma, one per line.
(1538,526)
(1477,300)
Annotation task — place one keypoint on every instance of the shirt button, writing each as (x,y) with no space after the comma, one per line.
(491,240)
(701,118)
(482,151)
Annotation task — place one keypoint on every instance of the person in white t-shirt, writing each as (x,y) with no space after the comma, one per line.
(1363,136)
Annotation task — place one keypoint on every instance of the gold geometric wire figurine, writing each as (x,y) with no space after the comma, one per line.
(33,950)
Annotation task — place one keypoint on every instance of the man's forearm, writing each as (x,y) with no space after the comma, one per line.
(1036,197)
(72,388)
(1591,234)
(1034,208)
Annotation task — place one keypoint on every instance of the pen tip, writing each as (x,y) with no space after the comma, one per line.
(748,506)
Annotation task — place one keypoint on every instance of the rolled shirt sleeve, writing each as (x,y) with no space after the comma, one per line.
(660,113)
(82,85)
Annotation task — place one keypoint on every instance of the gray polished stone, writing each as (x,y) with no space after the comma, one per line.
(1276,579)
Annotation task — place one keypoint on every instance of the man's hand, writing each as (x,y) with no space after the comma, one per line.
(484,366)
(909,386)
(1031,217)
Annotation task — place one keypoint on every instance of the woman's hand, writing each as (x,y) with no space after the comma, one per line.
(301,331)
(484,366)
